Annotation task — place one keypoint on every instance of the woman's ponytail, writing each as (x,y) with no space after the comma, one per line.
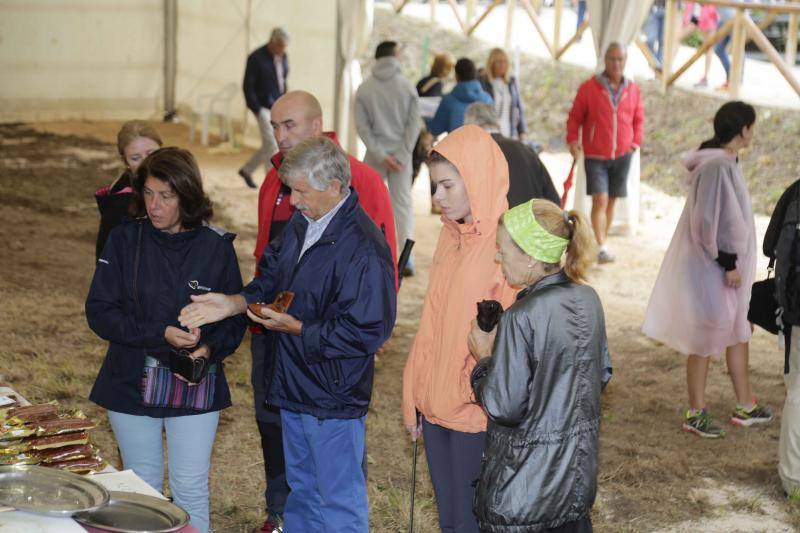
(581,250)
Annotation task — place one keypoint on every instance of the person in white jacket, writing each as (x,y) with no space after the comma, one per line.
(388,121)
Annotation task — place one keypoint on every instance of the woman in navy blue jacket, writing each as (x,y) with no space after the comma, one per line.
(145,275)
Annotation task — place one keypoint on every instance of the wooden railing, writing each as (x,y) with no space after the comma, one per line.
(741,26)
(743,29)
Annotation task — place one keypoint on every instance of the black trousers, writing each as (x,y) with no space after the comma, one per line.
(269,426)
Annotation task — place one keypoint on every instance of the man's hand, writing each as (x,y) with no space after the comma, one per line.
(275,321)
(733,279)
(180,338)
(480,343)
(209,308)
(392,163)
(575,149)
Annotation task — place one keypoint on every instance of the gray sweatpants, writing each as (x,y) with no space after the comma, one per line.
(399,184)
(268,145)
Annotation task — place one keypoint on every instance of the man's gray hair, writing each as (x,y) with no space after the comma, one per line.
(278,34)
(615,45)
(482,115)
(320,161)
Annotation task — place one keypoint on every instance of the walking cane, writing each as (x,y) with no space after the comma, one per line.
(413,478)
(568,183)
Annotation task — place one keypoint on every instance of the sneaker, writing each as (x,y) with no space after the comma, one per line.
(702,425)
(702,83)
(604,256)
(247,179)
(272,524)
(724,87)
(758,414)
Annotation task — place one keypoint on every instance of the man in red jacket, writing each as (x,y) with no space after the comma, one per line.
(295,117)
(609,112)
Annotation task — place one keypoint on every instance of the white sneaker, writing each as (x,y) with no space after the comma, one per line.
(604,256)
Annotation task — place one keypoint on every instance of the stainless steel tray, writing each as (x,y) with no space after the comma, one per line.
(48,491)
(128,512)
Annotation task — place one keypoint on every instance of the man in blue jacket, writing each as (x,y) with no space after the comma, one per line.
(265,82)
(337,264)
(450,113)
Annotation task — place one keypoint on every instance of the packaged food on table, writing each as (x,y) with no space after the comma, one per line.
(86,465)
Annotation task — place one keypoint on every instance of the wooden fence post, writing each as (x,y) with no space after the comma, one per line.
(737,47)
(670,44)
(791,40)
(511,8)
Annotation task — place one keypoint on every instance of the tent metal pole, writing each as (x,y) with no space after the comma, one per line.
(170,57)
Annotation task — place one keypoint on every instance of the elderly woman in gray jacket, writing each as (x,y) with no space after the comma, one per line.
(539,378)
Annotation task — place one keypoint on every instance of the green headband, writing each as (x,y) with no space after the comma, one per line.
(532,237)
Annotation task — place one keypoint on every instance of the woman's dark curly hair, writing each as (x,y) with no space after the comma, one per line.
(178,168)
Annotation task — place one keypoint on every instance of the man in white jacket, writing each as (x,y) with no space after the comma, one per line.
(388,121)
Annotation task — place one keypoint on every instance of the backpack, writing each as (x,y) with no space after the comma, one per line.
(787,263)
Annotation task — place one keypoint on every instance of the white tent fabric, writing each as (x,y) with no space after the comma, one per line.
(615,21)
(355,27)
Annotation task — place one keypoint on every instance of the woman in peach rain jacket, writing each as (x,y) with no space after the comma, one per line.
(471,177)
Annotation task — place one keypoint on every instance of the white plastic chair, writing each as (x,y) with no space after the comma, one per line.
(209,104)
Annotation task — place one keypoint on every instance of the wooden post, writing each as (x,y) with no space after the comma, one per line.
(737,47)
(460,20)
(434,5)
(791,40)
(537,24)
(483,16)
(559,5)
(670,44)
(763,43)
(470,11)
(572,40)
(511,8)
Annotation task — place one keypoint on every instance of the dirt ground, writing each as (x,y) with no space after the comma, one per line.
(653,477)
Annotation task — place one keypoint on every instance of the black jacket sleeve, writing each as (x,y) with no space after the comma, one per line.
(777,218)
(504,390)
(108,313)
(225,336)
(249,84)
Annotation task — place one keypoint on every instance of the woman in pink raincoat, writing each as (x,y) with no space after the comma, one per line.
(701,296)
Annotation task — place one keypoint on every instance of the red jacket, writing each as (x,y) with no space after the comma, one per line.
(608,132)
(372,194)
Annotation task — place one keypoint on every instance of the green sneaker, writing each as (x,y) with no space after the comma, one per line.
(702,425)
(758,414)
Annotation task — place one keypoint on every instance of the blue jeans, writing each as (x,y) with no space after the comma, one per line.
(189,443)
(323,468)
(654,29)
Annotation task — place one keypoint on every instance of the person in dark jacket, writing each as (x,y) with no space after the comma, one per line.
(527,176)
(450,113)
(779,244)
(504,90)
(539,376)
(337,264)
(264,82)
(433,83)
(135,141)
(147,272)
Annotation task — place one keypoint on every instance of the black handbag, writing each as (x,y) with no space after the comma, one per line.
(764,311)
